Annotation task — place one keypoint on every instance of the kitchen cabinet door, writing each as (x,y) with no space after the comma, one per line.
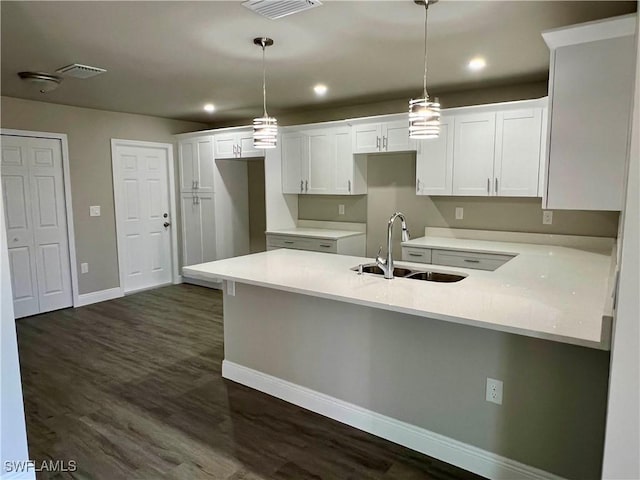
(195,158)
(517,160)
(395,137)
(321,160)
(434,162)
(198,228)
(246,148)
(293,160)
(187,153)
(343,162)
(473,154)
(225,145)
(367,138)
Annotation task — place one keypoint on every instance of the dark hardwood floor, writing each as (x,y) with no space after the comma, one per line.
(131,389)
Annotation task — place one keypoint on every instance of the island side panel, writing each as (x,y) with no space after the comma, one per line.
(431,374)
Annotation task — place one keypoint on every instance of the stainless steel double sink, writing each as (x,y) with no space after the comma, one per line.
(411,273)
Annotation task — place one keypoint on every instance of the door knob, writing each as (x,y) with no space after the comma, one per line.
(166,224)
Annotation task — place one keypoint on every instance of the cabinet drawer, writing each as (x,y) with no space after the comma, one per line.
(329,246)
(421,255)
(285,241)
(478,261)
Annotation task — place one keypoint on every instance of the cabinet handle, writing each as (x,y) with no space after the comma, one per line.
(239,151)
(384,143)
(193,184)
(488,185)
(349,185)
(193,200)
(496,185)
(306,185)
(417,185)
(288,242)
(325,245)
(377,143)
(301,186)
(470,260)
(197,184)
(234,150)
(416,254)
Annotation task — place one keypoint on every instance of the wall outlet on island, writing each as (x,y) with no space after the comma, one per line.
(547,217)
(341,209)
(494,391)
(459,213)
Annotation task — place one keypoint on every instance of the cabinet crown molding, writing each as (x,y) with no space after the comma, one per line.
(591,31)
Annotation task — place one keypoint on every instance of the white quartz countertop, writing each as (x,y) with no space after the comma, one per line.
(550,292)
(322,233)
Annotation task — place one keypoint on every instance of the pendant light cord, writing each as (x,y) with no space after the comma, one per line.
(264,79)
(426,14)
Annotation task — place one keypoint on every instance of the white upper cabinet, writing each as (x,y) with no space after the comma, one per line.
(496,152)
(319,161)
(389,136)
(196,163)
(517,156)
(434,162)
(474,149)
(591,93)
(236,144)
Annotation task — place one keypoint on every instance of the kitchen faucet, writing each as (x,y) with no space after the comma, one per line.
(387,265)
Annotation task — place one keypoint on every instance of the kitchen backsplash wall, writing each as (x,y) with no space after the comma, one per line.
(257,210)
(391,187)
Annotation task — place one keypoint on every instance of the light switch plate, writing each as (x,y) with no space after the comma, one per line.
(547,217)
(341,209)
(84,268)
(459,213)
(94,211)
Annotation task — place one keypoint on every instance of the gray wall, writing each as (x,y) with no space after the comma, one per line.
(257,208)
(89,133)
(391,187)
(432,374)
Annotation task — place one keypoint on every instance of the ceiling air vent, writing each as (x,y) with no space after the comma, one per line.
(275,9)
(80,71)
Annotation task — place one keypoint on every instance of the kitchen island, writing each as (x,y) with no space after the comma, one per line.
(408,360)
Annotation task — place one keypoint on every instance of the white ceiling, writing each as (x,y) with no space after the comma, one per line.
(170,58)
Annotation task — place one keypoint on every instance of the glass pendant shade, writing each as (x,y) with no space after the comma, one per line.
(424,118)
(265,132)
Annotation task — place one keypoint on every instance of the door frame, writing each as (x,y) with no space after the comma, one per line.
(68,204)
(115,170)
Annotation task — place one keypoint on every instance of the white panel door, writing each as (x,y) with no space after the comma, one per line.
(517,162)
(143,217)
(35,214)
(473,154)
(434,162)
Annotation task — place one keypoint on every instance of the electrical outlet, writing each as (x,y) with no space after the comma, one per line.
(94,211)
(494,391)
(547,217)
(231,288)
(459,213)
(84,268)
(341,209)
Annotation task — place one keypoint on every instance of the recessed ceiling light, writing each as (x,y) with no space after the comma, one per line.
(320,89)
(209,107)
(477,63)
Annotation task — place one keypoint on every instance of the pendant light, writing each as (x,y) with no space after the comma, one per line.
(265,128)
(424,115)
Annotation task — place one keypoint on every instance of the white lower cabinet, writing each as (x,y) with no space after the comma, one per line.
(353,245)
(198,228)
(454,258)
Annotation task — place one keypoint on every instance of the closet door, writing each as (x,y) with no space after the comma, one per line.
(36,224)
(19,226)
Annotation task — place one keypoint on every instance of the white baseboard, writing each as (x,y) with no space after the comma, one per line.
(443,448)
(100,296)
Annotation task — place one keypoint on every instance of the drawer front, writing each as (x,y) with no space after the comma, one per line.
(282,241)
(329,246)
(478,261)
(420,255)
